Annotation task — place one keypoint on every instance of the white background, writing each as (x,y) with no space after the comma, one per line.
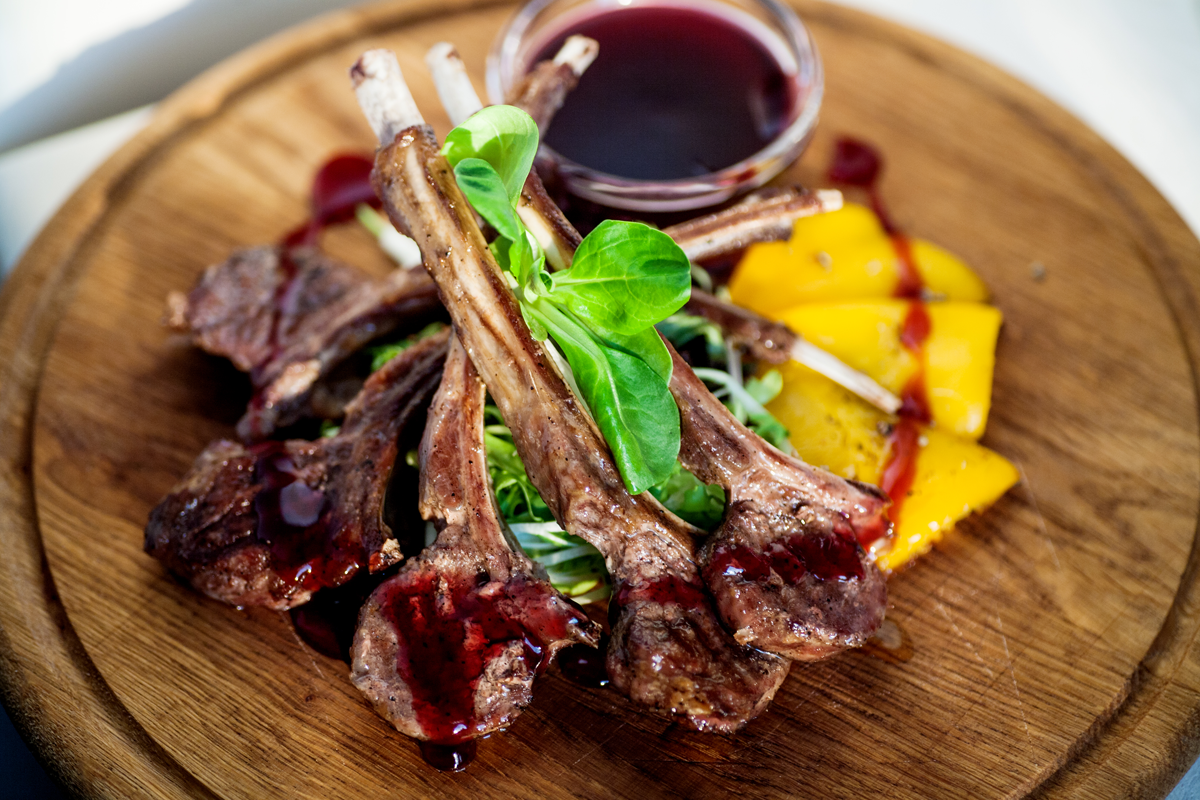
(1128,68)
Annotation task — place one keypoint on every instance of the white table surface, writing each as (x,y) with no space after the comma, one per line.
(77,78)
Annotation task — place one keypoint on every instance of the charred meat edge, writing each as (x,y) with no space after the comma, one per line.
(668,649)
(208,531)
(490,599)
(289,319)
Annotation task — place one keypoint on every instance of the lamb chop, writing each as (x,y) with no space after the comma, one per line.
(785,566)
(668,649)
(269,524)
(289,318)
(448,648)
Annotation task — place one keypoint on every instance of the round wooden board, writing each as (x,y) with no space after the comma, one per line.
(1052,637)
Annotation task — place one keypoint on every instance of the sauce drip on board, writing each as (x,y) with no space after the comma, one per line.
(447,633)
(340,185)
(665,71)
(327,622)
(449,757)
(585,665)
(307,549)
(856,163)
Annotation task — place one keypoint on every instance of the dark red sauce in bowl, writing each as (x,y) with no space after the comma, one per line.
(686,104)
(675,92)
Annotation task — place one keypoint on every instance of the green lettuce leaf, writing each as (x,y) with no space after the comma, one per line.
(624,278)
(504,136)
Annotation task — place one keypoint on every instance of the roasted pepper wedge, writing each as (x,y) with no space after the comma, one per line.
(843,255)
(958,359)
(954,476)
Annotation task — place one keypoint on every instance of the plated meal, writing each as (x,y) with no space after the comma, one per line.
(645,449)
(1045,648)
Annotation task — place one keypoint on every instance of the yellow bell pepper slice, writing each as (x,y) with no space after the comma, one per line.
(960,352)
(843,255)
(832,428)
(954,476)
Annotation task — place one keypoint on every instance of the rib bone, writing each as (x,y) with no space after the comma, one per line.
(668,649)
(448,648)
(270,524)
(763,217)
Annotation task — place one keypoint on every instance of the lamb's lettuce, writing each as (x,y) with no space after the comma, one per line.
(625,277)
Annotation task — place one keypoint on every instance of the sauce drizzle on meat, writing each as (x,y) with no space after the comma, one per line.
(447,633)
(293,520)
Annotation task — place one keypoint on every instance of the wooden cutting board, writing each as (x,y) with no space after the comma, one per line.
(1052,639)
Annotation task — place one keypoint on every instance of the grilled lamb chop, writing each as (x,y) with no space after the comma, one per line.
(787,518)
(784,567)
(448,648)
(668,648)
(289,318)
(271,523)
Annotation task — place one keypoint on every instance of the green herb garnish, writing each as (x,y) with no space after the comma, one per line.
(383,353)
(625,277)
(688,498)
(746,403)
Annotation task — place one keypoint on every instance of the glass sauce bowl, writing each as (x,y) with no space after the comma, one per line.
(687,84)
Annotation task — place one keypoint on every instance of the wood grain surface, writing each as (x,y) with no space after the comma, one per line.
(1053,638)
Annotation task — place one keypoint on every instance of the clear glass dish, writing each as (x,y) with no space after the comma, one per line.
(541,21)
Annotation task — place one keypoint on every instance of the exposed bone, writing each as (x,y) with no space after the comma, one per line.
(668,649)
(452,82)
(775,343)
(541,94)
(832,367)
(544,88)
(385,110)
(578,53)
(449,647)
(766,217)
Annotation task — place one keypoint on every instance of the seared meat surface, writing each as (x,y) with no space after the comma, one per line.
(271,523)
(289,319)
(785,566)
(448,648)
(668,651)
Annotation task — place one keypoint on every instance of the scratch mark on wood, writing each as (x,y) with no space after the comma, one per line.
(1038,512)
(963,638)
(1016,687)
